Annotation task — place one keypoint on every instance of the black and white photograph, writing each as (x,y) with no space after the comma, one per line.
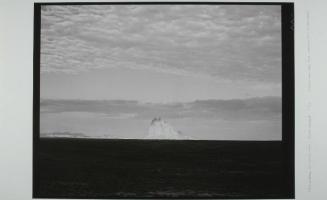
(163,100)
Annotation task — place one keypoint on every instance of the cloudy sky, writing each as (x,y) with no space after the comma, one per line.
(163,55)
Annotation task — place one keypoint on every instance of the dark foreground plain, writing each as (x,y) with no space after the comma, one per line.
(95,168)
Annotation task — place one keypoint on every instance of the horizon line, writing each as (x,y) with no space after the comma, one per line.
(158,102)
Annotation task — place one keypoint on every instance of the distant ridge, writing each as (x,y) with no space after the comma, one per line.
(67,134)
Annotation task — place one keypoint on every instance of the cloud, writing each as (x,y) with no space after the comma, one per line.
(232,42)
(264,108)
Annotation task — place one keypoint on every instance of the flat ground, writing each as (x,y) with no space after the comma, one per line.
(94,168)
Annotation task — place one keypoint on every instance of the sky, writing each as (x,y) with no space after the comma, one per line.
(160,56)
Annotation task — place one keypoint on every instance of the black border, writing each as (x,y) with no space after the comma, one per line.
(36,95)
(288,97)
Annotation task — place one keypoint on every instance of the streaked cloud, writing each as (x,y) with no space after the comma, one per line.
(265,108)
(230,42)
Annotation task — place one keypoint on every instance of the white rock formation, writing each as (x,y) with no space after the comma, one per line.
(160,129)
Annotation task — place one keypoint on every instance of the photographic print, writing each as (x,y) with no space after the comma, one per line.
(163,100)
